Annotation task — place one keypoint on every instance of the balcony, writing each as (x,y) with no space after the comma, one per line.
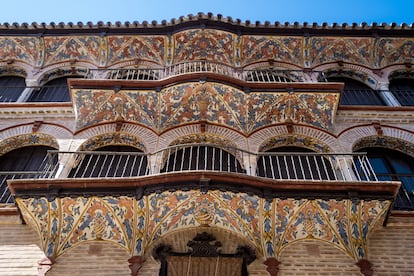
(192,67)
(288,173)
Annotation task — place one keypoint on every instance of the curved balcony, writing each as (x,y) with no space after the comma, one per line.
(199,161)
(203,66)
(207,157)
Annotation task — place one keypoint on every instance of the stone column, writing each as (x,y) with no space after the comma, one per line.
(386,95)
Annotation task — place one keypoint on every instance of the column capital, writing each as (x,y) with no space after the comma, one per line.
(365,267)
(44,265)
(135,264)
(272,266)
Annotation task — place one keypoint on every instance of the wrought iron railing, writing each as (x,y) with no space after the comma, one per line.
(203,66)
(199,157)
(5,195)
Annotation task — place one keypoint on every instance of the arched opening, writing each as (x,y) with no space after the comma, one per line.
(11,87)
(200,157)
(394,165)
(357,93)
(110,161)
(204,251)
(403,90)
(290,162)
(56,90)
(25,162)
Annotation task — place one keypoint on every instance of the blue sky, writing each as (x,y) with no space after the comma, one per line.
(330,11)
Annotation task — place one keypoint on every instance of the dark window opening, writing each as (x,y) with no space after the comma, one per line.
(26,162)
(394,165)
(111,161)
(403,90)
(56,90)
(11,88)
(357,93)
(283,165)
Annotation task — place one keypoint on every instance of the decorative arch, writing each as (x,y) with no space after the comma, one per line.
(352,71)
(236,213)
(110,139)
(302,136)
(29,139)
(145,136)
(213,134)
(66,69)
(400,72)
(179,238)
(14,69)
(385,142)
(53,130)
(351,136)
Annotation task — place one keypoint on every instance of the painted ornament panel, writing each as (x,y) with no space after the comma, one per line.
(124,48)
(227,106)
(394,50)
(212,45)
(263,48)
(179,105)
(81,48)
(235,212)
(352,50)
(25,49)
(97,106)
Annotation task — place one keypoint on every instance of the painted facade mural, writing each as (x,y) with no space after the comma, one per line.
(136,225)
(206,44)
(181,104)
(283,49)
(394,50)
(26,49)
(82,48)
(124,48)
(352,50)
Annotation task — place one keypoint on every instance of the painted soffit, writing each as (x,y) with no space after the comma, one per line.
(210,102)
(270,225)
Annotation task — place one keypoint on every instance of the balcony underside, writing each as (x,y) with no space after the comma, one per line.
(268,214)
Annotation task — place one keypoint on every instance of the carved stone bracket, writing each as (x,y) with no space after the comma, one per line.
(44,265)
(135,264)
(272,266)
(365,267)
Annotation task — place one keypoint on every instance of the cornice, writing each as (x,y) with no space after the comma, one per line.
(210,21)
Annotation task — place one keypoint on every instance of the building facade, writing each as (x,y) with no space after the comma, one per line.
(206,146)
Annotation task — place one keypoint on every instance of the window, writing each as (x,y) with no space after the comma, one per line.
(26,162)
(403,90)
(394,165)
(11,88)
(357,93)
(54,91)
